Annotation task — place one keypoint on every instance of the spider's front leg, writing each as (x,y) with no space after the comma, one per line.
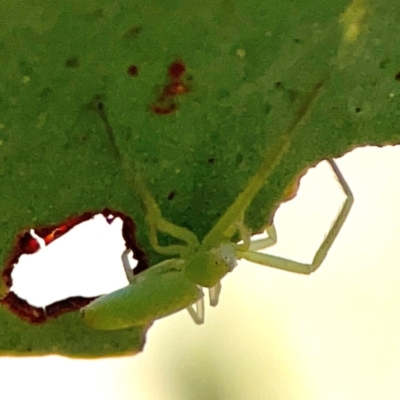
(197,313)
(294,266)
(214,293)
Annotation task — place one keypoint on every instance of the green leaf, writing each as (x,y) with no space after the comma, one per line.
(78,77)
(66,335)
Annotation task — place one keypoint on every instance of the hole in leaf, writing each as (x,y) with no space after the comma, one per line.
(83,262)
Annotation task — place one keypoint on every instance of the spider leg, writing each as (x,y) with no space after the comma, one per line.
(214,293)
(263,243)
(245,236)
(177,232)
(259,244)
(157,223)
(127,266)
(198,313)
(294,266)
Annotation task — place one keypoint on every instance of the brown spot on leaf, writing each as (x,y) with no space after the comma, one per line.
(133,70)
(21,308)
(176,70)
(176,85)
(58,308)
(165,109)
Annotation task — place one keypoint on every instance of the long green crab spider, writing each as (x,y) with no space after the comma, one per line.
(177,282)
(249,250)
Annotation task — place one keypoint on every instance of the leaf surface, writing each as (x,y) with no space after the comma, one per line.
(193,93)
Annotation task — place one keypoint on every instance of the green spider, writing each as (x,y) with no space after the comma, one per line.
(177,283)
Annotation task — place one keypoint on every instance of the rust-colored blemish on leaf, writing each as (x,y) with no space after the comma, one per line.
(176,70)
(165,109)
(22,309)
(61,307)
(176,85)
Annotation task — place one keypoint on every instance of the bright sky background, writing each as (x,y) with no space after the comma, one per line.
(274,335)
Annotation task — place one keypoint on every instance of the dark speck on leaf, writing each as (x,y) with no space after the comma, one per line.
(133,32)
(171,195)
(176,70)
(133,70)
(72,62)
